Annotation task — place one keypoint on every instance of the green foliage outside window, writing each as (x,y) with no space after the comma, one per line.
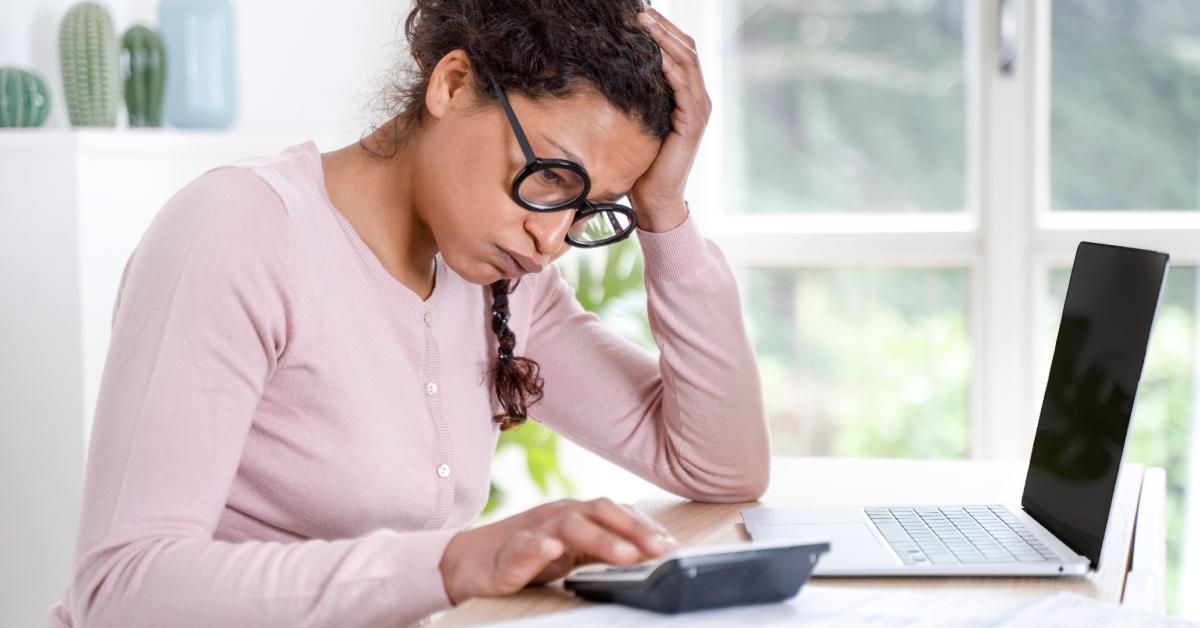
(863,362)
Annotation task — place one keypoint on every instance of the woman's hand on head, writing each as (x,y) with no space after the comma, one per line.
(658,194)
(545,543)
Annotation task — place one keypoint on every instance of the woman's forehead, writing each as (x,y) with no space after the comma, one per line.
(585,128)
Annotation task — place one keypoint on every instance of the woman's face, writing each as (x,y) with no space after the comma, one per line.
(470,157)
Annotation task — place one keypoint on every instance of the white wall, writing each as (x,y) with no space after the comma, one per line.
(307,69)
(41,461)
(304,66)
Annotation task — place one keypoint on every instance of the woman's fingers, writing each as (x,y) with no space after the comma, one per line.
(546,543)
(680,45)
(648,520)
(674,30)
(681,82)
(559,567)
(668,41)
(524,557)
(681,64)
(691,109)
(633,527)
(583,535)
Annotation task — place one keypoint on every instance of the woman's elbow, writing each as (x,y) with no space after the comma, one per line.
(759,481)
(91,606)
(747,484)
(753,482)
(755,476)
(100,595)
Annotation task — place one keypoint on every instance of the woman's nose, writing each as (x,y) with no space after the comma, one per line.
(549,231)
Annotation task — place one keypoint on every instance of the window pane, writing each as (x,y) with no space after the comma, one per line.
(1125,101)
(1161,429)
(863,362)
(846,106)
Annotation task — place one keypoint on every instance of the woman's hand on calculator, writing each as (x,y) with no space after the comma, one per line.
(545,543)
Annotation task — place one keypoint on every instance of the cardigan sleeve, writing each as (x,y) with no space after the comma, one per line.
(203,318)
(691,421)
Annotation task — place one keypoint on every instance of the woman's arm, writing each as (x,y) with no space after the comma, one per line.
(203,318)
(692,421)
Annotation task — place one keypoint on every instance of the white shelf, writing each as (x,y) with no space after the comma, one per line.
(144,139)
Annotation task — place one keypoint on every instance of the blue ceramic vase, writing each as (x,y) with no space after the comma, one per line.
(201,63)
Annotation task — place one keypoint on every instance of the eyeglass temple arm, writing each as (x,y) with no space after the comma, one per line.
(512,121)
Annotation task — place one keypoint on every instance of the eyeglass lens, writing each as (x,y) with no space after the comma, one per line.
(600,226)
(551,187)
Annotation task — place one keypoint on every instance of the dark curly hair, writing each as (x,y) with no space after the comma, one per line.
(540,48)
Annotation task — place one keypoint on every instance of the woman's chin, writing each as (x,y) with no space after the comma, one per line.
(476,272)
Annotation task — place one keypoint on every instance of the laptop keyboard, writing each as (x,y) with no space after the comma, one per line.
(958,534)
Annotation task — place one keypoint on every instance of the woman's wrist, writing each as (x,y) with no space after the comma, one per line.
(661,216)
(448,567)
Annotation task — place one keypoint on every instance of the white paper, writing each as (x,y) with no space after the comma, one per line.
(815,606)
(843,607)
(1070,610)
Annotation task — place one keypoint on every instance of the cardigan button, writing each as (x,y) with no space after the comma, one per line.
(443,470)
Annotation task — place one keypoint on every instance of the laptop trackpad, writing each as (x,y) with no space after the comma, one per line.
(852,545)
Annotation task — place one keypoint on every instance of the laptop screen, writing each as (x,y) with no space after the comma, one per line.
(1098,356)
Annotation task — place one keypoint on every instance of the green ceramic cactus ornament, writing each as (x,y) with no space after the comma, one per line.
(143,63)
(88,54)
(24,100)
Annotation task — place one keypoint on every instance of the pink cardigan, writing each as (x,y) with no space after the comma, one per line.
(287,436)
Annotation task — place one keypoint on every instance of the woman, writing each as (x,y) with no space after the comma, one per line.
(313,353)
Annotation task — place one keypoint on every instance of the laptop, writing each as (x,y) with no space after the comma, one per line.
(1058,528)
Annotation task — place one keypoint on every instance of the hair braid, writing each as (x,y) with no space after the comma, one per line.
(515,378)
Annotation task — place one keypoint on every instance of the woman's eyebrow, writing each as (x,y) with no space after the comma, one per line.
(611,198)
(572,156)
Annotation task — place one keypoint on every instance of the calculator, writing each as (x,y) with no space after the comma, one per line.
(704,577)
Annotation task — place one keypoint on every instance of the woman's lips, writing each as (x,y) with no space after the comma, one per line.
(521,263)
(512,268)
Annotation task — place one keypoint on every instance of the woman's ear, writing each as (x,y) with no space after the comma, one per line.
(447,82)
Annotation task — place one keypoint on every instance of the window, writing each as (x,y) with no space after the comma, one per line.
(1124,101)
(901,185)
(846,107)
(863,362)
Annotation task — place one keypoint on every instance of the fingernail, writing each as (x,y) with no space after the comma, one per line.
(546,546)
(645,18)
(625,550)
(660,543)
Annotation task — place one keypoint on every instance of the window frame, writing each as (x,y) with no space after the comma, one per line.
(1008,238)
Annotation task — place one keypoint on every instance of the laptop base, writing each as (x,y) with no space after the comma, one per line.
(860,548)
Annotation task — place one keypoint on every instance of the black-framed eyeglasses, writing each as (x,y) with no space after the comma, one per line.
(546,185)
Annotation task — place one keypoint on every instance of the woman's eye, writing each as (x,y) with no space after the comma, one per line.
(551,177)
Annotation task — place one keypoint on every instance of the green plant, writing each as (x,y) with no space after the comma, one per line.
(541,460)
(24,101)
(599,291)
(144,65)
(87,51)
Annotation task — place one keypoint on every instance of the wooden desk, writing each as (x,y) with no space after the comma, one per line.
(837,481)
